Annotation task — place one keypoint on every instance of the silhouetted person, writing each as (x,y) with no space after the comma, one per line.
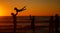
(19,10)
(30,17)
(14,21)
(56,23)
(51,25)
(14,16)
(33,24)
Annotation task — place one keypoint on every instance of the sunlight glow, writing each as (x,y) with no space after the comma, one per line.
(2,10)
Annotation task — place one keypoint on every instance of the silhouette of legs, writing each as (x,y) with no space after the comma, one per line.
(14,24)
(14,21)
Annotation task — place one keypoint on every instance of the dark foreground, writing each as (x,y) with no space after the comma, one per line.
(24,25)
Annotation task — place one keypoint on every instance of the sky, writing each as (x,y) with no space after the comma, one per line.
(33,7)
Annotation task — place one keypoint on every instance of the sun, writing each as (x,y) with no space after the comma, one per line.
(2,11)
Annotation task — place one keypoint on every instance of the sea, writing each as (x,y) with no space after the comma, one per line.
(23,24)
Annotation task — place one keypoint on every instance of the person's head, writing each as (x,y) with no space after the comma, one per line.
(12,13)
(56,15)
(15,8)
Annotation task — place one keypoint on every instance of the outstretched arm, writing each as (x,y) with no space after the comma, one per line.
(22,9)
(16,13)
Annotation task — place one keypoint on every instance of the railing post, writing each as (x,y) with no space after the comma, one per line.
(33,23)
(56,23)
(51,25)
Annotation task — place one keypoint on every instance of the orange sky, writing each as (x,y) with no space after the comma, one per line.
(33,7)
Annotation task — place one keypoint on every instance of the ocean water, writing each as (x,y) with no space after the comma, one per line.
(24,24)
